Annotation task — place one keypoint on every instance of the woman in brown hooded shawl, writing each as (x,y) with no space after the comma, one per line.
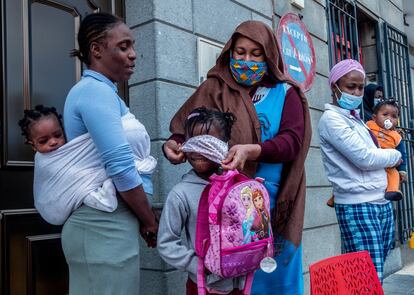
(270,139)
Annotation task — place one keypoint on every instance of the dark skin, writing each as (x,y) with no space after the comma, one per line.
(386,112)
(352,83)
(202,166)
(46,135)
(378,94)
(391,113)
(114,57)
(247,50)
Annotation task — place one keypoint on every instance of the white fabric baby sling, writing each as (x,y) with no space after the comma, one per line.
(65,177)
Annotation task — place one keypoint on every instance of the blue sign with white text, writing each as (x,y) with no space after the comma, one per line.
(297,50)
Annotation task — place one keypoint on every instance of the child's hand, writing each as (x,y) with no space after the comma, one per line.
(400,131)
(403,176)
(172,151)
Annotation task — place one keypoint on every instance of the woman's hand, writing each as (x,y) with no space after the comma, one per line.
(239,154)
(403,176)
(173,153)
(149,234)
(138,202)
(400,161)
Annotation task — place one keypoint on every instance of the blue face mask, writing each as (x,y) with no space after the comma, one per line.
(348,101)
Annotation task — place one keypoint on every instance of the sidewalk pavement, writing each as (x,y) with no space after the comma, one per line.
(400,282)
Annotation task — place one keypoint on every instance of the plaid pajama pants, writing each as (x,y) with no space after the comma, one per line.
(368,227)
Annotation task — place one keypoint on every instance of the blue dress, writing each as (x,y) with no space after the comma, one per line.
(288,277)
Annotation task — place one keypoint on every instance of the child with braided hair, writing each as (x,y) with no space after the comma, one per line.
(207,134)
(43,129)
(67,169)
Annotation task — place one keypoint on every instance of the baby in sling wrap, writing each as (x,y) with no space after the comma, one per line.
(68,175)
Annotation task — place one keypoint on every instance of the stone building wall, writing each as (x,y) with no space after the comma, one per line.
(166,33)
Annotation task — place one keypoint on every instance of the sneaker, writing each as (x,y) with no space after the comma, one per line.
(393,196)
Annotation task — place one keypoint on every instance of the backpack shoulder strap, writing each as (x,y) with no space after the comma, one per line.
(202,226)
(248,283)
(202,238)
(225,180)
(201,285)
(219,181)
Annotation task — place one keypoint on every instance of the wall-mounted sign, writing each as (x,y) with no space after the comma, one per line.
(207,54)
(297,50)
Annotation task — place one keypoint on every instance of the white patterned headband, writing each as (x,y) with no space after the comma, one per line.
(209,146)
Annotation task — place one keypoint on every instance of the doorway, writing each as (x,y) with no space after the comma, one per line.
(36,69)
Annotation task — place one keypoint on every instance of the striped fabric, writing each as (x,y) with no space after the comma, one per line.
(368,227)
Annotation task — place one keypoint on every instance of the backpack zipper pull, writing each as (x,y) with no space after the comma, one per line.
(269,249)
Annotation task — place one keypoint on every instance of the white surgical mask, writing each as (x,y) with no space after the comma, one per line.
(348,101)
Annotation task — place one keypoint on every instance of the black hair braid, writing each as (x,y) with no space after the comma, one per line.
(388,101)
(34,115)
(93,28)
(206,117)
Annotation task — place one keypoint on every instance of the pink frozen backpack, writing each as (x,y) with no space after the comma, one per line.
(233,232)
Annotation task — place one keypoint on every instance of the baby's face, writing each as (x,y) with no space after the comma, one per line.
(386,112)
(46,135)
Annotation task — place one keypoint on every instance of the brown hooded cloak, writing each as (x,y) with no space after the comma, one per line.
(221,91)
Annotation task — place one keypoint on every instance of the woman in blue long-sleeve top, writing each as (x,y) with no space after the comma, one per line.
(102,248)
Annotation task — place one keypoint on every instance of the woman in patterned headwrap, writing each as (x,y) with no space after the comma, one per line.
(270,139)
(355,166)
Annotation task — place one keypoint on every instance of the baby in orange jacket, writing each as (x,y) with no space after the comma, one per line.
(383,126)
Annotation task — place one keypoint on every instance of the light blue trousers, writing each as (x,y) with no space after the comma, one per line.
(102,251)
